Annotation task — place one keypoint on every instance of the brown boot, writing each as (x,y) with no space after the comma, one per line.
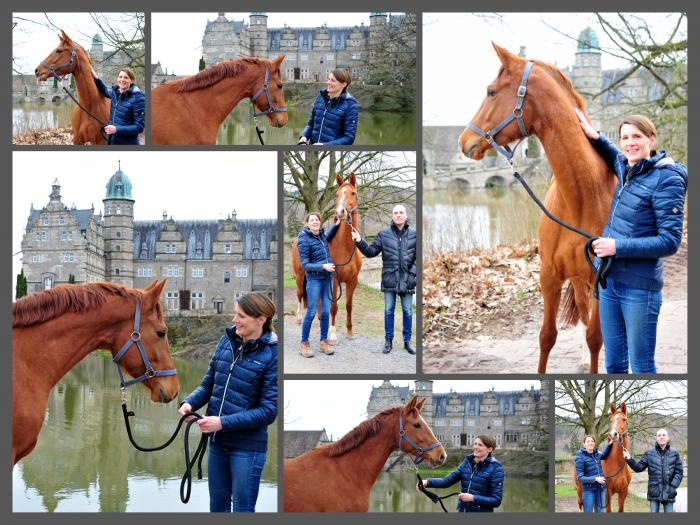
(306,349)
(325,347)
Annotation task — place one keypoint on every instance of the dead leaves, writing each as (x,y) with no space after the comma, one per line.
(55,137)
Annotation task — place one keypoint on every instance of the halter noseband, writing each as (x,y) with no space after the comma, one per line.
(516,114)
(135,338)
(418,450)
(264,91)
(69,64)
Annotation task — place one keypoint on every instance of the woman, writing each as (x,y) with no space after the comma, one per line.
(644,226)
(481,476)
(126,111)
(315,257)
(589,473)
(240,391)
(333,119)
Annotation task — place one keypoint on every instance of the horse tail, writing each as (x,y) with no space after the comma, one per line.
(570,314)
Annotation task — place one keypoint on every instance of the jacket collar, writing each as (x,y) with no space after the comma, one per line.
(266,338)
(406,227)
(307,231)
(662,450)
(133,88)
(343,96)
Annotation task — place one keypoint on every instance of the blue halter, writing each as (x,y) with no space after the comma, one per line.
(418,450)
(517,115)
(264,91)
(135,338)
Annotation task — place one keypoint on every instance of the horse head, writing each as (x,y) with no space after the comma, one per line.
(269,93)
(61,61)
(153,336)
(417,433)
(618,421)
(345,197)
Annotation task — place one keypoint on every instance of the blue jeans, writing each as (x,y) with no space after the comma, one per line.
(655,504)
(315,289)
(628,319)
(234,476)
(406,308)
(593,499)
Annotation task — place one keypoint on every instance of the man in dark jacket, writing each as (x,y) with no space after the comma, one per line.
(397,244)
(665,472)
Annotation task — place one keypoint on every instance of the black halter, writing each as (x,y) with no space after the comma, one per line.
(270,106)
(69,64)
(419,451)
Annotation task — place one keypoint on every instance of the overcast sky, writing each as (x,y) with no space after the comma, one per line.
(176,38)
(188,185)
(459,61)
(340,405)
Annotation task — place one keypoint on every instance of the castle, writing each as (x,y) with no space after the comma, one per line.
(311,53)
(208,263)
(515,419)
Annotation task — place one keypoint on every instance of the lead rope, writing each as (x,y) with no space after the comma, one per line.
(431,495)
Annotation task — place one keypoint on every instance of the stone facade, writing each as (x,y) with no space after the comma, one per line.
(515,419)
(311,53)
(208,263)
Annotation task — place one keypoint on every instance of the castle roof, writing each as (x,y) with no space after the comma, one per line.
(82,217)
(588,42)
(119,186)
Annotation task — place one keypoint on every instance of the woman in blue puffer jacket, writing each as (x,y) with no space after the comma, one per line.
(333,119)
(589,473)
(315,257)
(127,114)
(481,477)
(240,391)
(644,226)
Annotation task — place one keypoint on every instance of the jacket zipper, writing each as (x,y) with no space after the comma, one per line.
(323,119)
(223,397)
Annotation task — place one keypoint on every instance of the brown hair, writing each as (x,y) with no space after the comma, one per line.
(342,75)
(643,124)
(488,441)
(256,304)
(129,72)
(588,436)
(308,216)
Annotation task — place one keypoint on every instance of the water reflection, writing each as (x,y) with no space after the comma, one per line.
(26,117)
(395,492)
(84,461)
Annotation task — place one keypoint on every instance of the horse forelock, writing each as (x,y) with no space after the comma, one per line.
(361,433)
(216,73)
(46,305)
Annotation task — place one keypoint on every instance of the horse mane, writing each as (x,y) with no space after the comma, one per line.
(564,81)
(360,433)
(215,73)
(43,306)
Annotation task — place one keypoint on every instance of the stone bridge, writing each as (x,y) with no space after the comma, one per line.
(465,179)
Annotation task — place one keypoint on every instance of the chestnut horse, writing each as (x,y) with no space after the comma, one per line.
(53,330)
(343,253)
(580,192)
(190,110)
(338,477)
(70,57)
(617,474)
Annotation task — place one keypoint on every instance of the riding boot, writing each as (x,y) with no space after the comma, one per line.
(306,349)
(325,347)
(407,347)
(387,345)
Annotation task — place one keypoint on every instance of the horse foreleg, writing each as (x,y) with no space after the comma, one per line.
(551,294)
(608,499)
(594,337)
(621,497)
(332,335)
(349,291)
(588,314)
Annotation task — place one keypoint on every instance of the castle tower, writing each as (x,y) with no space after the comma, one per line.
(424,389)
(258,34)
(118,230)
(97,49)
(587,77)
(377,26)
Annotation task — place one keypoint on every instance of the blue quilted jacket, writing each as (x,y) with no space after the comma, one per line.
(484,480)
(332,120)
(126,112)
(240,386)
(646,215)
(314,251)
(588,467)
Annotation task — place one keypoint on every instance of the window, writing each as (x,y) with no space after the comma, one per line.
(227,277)
(198,272)
(48,283)
(119,235)
(238,295)
(330,56)
(68,257)
(241,271)
(172,300)
(144,272)
(303,58)
(197,300)
(119,210)
(117,248)
(116,271)
(171,271)
(61,219)
(36,258)
(525,421)
(456,422)
(227,247)
(497,423)
(471,422)
(45,221)
(440,423)
(357,56)
(66,236)
(40,236)
(455,440)
(170,248)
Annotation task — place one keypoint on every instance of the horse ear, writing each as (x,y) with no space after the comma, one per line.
(411,404)
(612,408)
(339,180)
(154,291)
(623,407)
(505,56)
(278,61)
(352,179)
(420,404)
(64,38)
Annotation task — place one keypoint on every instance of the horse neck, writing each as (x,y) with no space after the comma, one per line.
(222,97)
(88,94)
(342,244)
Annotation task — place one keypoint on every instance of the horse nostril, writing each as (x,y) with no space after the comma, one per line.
(471,149)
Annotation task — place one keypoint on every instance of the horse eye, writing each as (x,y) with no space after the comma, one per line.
(416,425)
(58,51)
(280,86)
(354,193)
(490,93)
(160,334)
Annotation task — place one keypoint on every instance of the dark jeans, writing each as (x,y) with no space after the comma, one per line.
(317,289)
(655,505)
(406,308)
(593,499)
(234,476)
(628,319)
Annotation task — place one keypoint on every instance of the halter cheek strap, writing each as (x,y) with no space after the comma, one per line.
(135,339)
(69,65)
(264,91)
(419,451)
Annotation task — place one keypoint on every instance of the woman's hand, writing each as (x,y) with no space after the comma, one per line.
(110,130)
(600,480)
(466,497)
(303,141)
(425,485)
(210,424)
(185,409)
(94,73)
(626,454)
(329,267)
(604,247)
(588,130)
(356,235)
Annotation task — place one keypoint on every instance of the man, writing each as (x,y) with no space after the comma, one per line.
(665,472)
(397,244)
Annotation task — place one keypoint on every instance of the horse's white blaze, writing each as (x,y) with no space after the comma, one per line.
(331,334)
